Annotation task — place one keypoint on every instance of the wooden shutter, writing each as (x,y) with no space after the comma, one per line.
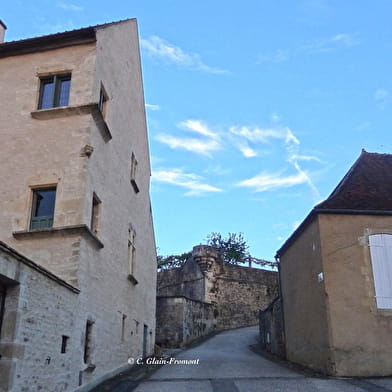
(381,255)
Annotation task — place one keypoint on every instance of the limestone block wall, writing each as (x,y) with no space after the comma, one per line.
(241,292)
(181,320)
(39,310)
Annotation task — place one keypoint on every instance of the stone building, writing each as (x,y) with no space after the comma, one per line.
(208,294)
(336,276)
(75,203)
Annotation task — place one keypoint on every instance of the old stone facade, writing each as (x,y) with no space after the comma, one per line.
(336,276)
(75,176)
(210,295)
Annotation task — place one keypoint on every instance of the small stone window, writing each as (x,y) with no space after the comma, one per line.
(54,91)
(134,173)
(131,250)
(42,211)
(88,344)
(103,99)
(64,342)
(95,207)
(2,305)
(124,317)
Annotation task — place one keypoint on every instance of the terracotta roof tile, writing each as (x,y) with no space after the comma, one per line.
(367,186)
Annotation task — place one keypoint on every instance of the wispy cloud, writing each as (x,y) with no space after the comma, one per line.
(172,54)
(193,182)
(152,107)
(364,126)
(336,42)
(272,181)
(198,146)
(210,141)
(198,127)
(69,6)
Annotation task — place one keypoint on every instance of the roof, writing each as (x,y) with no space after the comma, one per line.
(365,189)
(53,41)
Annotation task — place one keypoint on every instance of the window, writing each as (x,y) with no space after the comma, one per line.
(381,256)
(2,303)
(42,211)
(95,214)
(102,103)
(133,173)
(64,341)
(54,91)
(124,317)
(88,341)
(131,249)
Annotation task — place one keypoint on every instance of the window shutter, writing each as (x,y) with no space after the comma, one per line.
(381,255)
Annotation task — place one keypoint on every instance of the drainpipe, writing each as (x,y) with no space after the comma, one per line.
(281,301)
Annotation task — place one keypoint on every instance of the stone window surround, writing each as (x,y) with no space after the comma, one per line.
(65,111)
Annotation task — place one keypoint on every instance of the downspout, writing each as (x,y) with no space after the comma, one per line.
(281,301)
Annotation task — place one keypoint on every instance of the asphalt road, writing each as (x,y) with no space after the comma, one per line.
(225,363)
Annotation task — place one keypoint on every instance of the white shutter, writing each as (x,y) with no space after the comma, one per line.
(381,255)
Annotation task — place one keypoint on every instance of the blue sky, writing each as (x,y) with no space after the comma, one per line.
(256,109)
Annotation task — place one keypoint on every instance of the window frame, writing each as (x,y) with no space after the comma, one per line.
(33,204)
(56,80)
(3,293)
(95,213)
(88,342)
(103,101)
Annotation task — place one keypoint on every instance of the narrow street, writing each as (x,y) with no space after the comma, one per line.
(227,364)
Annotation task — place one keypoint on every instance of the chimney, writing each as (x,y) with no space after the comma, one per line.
(3,28)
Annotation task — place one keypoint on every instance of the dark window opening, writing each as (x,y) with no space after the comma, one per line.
(124,316)
(2,304)
(95,214)
(88,341)
(42,211)
(64,341)
(134,173)
(102,103)
(54,91)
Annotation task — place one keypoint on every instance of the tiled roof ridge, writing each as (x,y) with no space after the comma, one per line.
(80,29)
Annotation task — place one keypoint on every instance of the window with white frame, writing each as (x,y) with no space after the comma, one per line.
(381,256)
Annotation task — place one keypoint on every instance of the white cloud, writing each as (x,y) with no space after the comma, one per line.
(152,107)
(172,54)
(69,6)
(209,141)
(248,152)
(272,181)
(364,126)
(190,181)
(198,127)
(258,135)
(204,147)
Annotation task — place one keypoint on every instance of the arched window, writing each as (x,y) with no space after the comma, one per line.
(381,255)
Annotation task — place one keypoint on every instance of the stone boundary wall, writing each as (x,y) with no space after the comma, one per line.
(271,326)
(181,320)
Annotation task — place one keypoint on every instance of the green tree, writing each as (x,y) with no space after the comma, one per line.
(233,248)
